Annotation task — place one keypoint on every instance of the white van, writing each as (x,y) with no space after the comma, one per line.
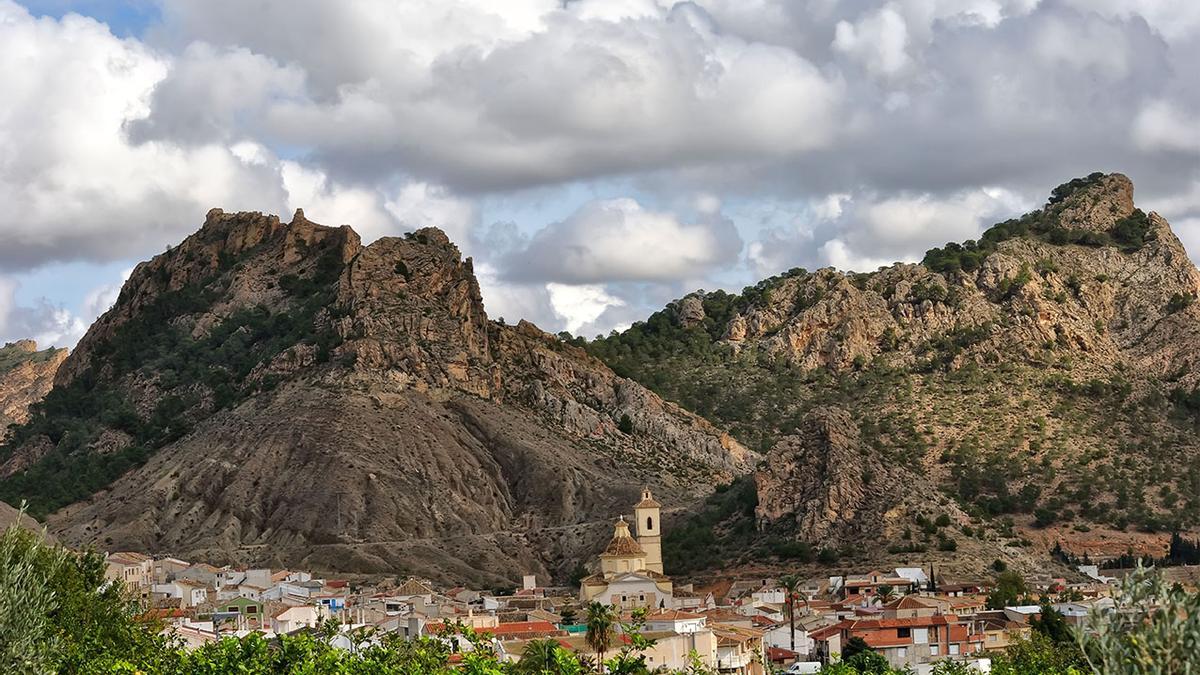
(804,668)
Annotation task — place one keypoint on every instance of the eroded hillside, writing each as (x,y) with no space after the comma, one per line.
(278,392)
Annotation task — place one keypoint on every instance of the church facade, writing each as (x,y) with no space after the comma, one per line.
(631,568)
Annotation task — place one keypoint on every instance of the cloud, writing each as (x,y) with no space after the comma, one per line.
(878,41)
(45,323)
(1162,125)
(865,232)
(420,204)
(619,240)
(52,324)
(71,183)
(885,126)
(581,305)
(210,92)
(657,88)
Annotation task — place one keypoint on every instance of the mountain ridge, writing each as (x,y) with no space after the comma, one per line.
(1042,377)
(278,391)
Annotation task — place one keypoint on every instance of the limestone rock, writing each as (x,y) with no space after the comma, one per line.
(690,311)
(26,376)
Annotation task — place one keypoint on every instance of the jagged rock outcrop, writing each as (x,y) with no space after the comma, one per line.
(285,393)
(1109,302)
(26,375)
(820,478)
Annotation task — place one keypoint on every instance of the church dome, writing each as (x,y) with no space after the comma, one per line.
(623,545)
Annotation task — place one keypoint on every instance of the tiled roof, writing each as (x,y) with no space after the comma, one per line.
(910,602)
(622,544)
(647,501)
(672,615)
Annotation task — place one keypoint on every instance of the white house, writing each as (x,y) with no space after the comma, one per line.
(676,621)
(190,593)
(295,618)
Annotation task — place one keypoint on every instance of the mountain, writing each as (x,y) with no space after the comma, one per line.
(1035,386)
(279,393)
(10,516)
(26,374)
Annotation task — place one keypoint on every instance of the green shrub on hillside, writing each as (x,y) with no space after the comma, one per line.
(191,377)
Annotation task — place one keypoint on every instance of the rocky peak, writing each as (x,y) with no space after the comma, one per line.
(1095,203)
(26,346)
(689,311)
(26,375)
(413,305)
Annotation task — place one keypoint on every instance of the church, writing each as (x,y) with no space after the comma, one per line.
(631,569)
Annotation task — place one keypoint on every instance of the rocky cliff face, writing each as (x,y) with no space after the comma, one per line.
(1044,376)
(26,375)
(278,392)
(1111,303)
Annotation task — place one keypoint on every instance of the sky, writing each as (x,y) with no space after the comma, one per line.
(596,158)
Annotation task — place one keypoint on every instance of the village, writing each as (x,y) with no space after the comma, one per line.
(911,616)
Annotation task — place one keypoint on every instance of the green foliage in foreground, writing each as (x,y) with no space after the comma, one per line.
(58,616)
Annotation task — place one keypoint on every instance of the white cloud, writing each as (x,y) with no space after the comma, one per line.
(579,305)
(71,183)
(618,239)
(45,323)
(418,205)
(878,41)
(837,254)
(330,203)
(209,92)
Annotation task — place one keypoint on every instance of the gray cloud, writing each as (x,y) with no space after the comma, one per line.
(932,117)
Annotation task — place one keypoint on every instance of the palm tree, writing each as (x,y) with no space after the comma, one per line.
(539,657)
(791,589)
(601,630)
(886,593)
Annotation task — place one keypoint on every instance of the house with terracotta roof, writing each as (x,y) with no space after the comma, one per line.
(165,569)
(202,572)
(676,621)
(630,573)
(905,642)
(779,634)
(871,583)
(1000,631)
(739,650)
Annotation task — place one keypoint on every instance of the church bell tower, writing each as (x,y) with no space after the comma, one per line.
(649,530)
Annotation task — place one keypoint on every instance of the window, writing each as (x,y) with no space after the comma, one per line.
(933,650)
(902,652)
(953,650)
(252,610)
(903,632)
(231,608)
(649,523)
